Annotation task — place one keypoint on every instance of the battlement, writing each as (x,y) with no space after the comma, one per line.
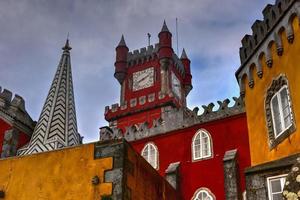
(142,55)
(12,109)
(149,53)
(173,119)
(278,19)
(272,15)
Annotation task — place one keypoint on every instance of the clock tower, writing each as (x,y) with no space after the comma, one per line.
(151,79)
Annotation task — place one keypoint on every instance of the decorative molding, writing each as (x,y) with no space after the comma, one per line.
(276,85)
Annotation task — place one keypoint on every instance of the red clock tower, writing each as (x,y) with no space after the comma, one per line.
(151,79)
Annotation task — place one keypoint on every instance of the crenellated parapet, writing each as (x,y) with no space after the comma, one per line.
(277,20)
(150,53)
(12,110)
(142,55)
(174,119)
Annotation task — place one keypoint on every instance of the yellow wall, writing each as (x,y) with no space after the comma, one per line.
(58,175)
(288,64)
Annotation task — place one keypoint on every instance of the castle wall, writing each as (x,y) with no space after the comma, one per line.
(144,182)
(104,170)
(175,146)
(62,174)
(288,65)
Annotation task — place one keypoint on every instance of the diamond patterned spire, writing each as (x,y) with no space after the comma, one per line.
(57,124)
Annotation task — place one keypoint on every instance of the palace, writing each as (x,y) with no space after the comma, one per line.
(156,147)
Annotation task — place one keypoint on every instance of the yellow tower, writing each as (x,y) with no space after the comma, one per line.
(269,82)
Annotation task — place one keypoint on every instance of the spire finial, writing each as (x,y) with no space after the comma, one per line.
(164,27)
(67,46)
(183,55)
(122,41)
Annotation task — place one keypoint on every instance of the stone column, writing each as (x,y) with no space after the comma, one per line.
(231,175)
(164,72)
(10,143)
(172,174)
(122,96)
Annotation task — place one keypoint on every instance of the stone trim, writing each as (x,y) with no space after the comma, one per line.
(12,111)
(173,175)
(276,85)
(272,165)
(231,175)
(205,189)
(174,119)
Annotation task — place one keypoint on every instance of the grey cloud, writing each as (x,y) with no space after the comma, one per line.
(33,31)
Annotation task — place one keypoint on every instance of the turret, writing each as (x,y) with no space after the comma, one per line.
(188,76)
(165,43)
(121,61)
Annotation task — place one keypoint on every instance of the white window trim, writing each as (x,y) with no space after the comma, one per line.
(244,195)
(203,189)
(156,154)
(210,146)
(269,186)
(278,96)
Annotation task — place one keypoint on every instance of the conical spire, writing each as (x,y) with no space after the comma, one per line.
(122,42)
(57,124)
(183,55)
(164,27)
(67,46)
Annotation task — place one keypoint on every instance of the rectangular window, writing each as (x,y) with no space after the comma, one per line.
(275,186)
(281,111)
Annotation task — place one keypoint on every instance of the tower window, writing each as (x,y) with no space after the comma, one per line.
(201,145)
(150,153)
(203,194)
(280,121)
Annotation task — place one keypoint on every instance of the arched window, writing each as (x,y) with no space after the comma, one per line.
(203,194)
(201,145)
(150,153)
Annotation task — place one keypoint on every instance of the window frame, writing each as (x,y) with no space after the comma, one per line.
(156,156)
(210,144)
(203,189)
(274,89)
(279,98)
(269,179)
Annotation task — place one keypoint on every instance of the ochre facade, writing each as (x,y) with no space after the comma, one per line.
(287,65)
(62,174)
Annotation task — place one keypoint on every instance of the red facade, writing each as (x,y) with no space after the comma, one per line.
(226,134)
(154,85)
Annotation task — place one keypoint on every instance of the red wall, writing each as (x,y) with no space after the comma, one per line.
(23,138)
(3,127)
(227,134)
(147,116)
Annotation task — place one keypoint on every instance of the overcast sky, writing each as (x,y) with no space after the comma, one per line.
(33,31)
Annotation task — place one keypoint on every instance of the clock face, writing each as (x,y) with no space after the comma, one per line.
(143,79)
(176,86)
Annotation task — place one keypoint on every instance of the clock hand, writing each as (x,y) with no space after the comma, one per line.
(141,80)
